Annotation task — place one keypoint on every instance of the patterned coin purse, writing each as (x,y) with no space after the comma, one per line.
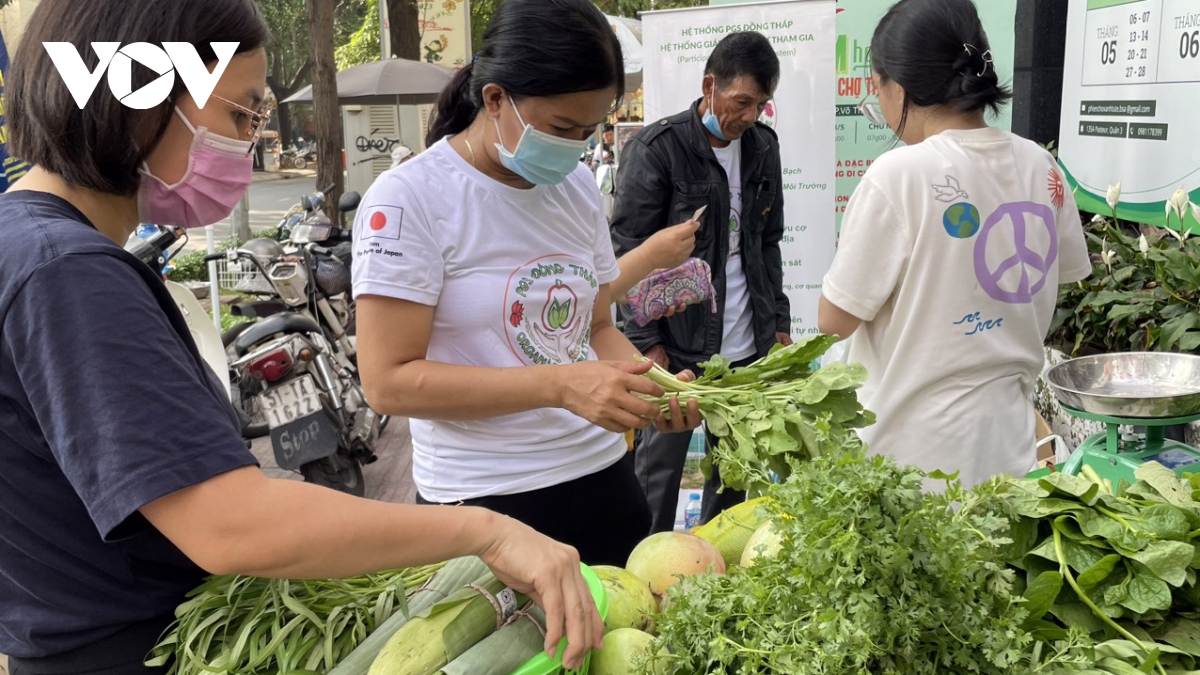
(688,284)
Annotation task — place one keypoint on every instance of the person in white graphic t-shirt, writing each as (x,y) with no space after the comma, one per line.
(484,270)
(951,254)
(715,154)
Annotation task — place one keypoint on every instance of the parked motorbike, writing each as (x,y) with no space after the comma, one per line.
(294,368)
(298,158)
(309,212)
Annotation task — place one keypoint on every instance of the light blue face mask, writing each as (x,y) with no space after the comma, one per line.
(540,158)
(711,122)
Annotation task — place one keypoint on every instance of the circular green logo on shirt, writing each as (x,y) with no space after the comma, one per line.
(548,310)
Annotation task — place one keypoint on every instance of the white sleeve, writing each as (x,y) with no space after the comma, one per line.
(872,250)
(1074,263)
(395,252)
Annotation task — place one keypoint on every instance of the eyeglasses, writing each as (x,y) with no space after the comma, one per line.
(871,111)
(258,120)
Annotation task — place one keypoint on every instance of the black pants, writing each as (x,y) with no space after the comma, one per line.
(121,654)
(659,459)
(603,515)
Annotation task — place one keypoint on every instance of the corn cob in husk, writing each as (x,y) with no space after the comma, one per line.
(454,575)
(431,640)
(502,652)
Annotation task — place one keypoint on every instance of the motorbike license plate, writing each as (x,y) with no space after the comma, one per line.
(289,401)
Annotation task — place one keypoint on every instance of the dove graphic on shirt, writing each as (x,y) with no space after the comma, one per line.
(951,191)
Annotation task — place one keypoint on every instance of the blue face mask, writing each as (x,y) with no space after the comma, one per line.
(711,122)
(540,158)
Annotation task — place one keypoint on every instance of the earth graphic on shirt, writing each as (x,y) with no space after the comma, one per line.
(961,220)
(548,310)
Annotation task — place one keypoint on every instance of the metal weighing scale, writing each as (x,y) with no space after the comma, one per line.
(1151,390)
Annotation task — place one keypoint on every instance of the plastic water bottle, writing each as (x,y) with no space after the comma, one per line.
(691,514)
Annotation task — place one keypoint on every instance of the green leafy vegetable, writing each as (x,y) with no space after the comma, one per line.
(1129,562)
(775,414)
(252,626)
(874,576)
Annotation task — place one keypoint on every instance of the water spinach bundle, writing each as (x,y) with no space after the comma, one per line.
(251,626)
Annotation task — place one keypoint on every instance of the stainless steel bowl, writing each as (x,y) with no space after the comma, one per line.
(1136,384)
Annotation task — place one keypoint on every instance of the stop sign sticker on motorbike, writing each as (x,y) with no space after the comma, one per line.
(383,222)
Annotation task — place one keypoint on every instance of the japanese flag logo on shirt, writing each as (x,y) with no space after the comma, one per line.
(382,222)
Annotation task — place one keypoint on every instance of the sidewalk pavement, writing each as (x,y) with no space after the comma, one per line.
(282,174)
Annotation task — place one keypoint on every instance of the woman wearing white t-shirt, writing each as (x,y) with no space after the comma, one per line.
(951,253)
(482,271)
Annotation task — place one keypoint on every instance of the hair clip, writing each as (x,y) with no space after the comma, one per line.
(986,56)
(987,61)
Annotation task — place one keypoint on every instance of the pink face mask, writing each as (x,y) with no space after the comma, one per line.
(218,175)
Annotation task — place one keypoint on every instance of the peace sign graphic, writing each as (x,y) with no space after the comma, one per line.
(1028,260)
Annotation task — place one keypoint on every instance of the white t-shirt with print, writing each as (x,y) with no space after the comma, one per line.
(513,275)
(737,340)
(952,252)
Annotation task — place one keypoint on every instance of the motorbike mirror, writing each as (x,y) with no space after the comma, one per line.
(349,202)
(604,179)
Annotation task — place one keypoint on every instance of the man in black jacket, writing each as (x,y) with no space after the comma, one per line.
(714,154)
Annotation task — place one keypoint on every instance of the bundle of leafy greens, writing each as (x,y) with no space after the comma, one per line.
(776,414)
(253,626)
(1120,568)
(874,576)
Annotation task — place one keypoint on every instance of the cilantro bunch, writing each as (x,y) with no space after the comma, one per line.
(775,414)
(874,576)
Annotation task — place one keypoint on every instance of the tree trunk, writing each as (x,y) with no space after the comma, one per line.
(240,221)
(282,88)
(326,111)
(404,23)
(275,82)
(285,125)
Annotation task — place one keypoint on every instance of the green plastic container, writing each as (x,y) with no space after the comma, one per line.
(544,665)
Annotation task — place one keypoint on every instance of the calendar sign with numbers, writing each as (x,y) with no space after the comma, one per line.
(1131,102)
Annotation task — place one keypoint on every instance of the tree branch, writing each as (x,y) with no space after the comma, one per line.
(275,86)
(301,74)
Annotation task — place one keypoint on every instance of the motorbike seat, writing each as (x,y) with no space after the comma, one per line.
(286,322)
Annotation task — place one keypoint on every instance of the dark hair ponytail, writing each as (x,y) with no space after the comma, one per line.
(533,48)
(454,110)
(939,53)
